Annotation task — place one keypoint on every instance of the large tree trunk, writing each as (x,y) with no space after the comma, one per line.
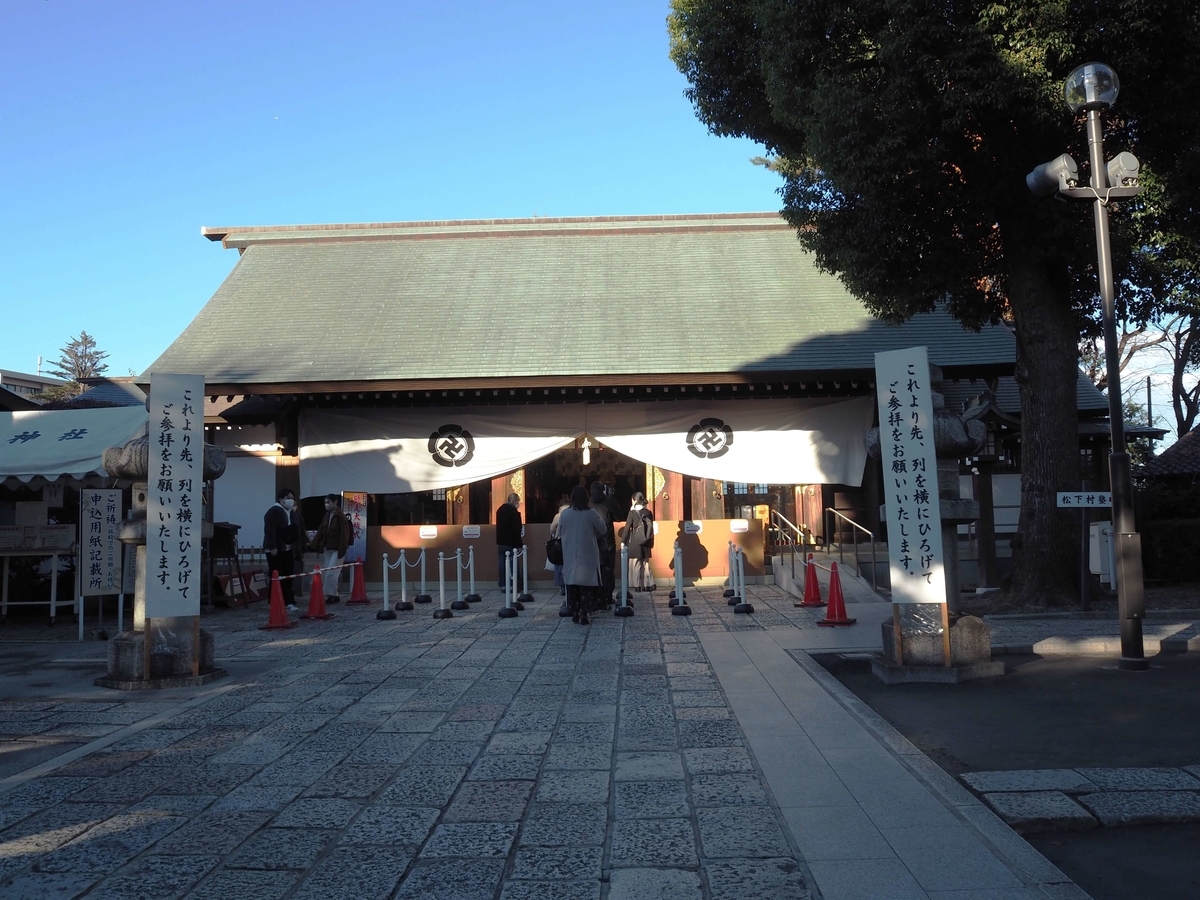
(1046,557)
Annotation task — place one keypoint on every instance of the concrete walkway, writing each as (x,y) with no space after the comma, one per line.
(657,756)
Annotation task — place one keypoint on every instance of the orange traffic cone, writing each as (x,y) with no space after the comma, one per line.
(812,587)
(316,599)
(358,590)
(836,614)
(277,617)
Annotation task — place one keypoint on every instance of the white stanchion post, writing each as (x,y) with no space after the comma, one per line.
(681,607)
(423,597)
(459,602)
(731,590)
(743,606)
(526,596)
(472,597)
(441,612)
(387,613)
(508,611)
(623,608)
(405,604)
(521,555)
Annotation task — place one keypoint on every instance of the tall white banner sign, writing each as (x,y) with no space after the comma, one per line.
(910,481)
(173,504)
(100,553)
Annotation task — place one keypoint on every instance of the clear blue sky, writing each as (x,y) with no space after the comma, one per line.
(129,125)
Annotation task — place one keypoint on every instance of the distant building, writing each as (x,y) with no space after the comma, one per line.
(27,385)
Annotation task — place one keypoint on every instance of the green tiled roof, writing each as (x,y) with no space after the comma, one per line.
(541,297)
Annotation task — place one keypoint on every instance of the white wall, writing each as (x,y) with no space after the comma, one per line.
(243,494)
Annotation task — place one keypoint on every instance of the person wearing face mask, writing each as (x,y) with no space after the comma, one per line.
(283,542)
(333,537)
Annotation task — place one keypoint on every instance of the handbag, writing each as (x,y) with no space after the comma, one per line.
(554,551)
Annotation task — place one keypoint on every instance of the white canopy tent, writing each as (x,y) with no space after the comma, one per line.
(398,451)
(44,445)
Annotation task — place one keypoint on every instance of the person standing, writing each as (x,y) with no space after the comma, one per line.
(333,537)
(582,531)
(608,544)
(508,536)
(563,503)
(283,542)
(639,538)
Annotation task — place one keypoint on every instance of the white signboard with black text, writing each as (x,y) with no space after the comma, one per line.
(173,502)
(100,553)
(914,520)
(1085,499)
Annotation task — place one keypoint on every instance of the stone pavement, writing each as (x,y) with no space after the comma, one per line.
(650,757)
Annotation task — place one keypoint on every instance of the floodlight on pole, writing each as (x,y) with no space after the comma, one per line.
(1091,89)
(1052,177)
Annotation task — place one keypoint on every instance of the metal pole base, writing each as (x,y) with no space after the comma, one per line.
(507,612)
(564,611)
(1133,665)
(518,606)
(672,595)
(405,606)
(422,598)
(460,604)
(729,592)
(623,612)
(525,598)
(472,598)
(387,614)
(733,600)
(443,614)
(681,610)
(743,608)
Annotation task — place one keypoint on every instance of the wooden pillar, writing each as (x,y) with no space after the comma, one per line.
(502,486)
(985,528)
(664,490)
(458,506)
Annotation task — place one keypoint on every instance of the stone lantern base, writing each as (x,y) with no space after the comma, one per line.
(126,661)
(924,656)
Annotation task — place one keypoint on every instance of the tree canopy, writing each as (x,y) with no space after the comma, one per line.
(904,130)
(79,358)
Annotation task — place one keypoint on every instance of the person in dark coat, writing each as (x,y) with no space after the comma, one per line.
(508,536)
(608,546)
(639,538)
(283,542)
(333,537)
(582,532)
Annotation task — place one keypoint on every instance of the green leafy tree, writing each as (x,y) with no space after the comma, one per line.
(79,359)
(903,131)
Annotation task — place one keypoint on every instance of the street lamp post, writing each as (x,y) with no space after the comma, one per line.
(1090,89)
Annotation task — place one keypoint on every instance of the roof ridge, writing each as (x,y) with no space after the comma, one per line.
(700,220)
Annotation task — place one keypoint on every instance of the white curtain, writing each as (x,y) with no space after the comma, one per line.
(757,441)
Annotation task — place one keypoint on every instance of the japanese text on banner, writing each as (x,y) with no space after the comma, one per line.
(100,554)
(906,443)
(173,507)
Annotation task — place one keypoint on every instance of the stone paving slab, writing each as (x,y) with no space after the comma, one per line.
(1141,779)
(1030,812)
(1068,780)
(1117,808)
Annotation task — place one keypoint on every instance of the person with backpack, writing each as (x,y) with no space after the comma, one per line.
(639,538)
(333,537)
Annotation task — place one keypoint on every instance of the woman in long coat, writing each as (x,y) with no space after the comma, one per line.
(581,530)
(639,538)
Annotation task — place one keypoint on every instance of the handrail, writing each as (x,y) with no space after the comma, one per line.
(797,537)
(842,548)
